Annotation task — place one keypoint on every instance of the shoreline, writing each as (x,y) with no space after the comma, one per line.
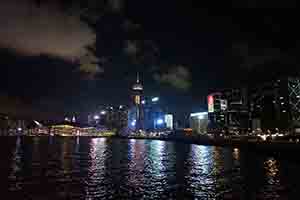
(266,146)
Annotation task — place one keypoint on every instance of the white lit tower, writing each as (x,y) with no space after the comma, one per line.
(137,93)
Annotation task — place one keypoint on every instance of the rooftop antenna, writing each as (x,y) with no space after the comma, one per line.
(137,77)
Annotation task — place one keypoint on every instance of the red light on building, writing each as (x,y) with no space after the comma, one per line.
(210,101)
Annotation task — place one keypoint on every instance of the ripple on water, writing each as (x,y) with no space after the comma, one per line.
(85,168)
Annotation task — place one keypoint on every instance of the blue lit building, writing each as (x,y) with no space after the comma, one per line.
(145,113)
(135,112)
(154,116)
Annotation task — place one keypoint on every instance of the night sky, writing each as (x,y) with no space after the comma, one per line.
(60,57)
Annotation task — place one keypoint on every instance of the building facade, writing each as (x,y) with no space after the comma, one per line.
(199,122)
(154,116)
(228,111)
(136,114)
(110,117)
(217,106)
(276,104)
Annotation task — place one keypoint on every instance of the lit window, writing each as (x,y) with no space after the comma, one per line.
(137,100)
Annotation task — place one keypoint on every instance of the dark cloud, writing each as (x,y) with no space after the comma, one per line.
(45,29)
(178,77)
(253,57)
(16,107)
(89,63)
(116,5)
(130,26)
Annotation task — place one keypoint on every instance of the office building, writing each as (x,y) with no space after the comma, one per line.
(111,117)
(169,121)
(135,114)
(217,106)
(237,112)
(228,111)
(199,122)
(154,116)
(275,104)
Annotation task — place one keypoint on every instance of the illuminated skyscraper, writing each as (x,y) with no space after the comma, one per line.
(136,118)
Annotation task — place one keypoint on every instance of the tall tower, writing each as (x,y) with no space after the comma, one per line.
(137,92)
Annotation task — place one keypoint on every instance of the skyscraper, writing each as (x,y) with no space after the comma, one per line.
(136,112)
(275,104)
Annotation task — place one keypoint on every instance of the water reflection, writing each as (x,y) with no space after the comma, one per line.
(236,154)
(16,167)
(155,161)
(200,176)
(272,172)
(99,168)
(272,169)
(95,182)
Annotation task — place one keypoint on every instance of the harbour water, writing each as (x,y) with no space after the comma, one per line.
(110,168)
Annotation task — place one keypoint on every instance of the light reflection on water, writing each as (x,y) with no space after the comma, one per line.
(95,182)
(99,168)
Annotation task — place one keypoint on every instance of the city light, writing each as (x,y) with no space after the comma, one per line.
(67,119)
(210,101)
(120,107)
(137,87)
(96,117)
(133,123)
(199,115)
(143,102)
(37,123)
(155,99)
(103,112)
(160,121)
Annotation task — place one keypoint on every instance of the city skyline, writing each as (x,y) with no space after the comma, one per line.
(132,99)
(182,56)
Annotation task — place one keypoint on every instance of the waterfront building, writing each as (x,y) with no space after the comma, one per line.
(154,116)
(135,113)
(111,117)
(199,122)
(237,112)
(228,111)
(11,125)
(169,120)
(275,104)
(146,112)
(217,106)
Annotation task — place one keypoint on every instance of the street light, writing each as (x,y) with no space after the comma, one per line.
(96,117)
(155,99)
